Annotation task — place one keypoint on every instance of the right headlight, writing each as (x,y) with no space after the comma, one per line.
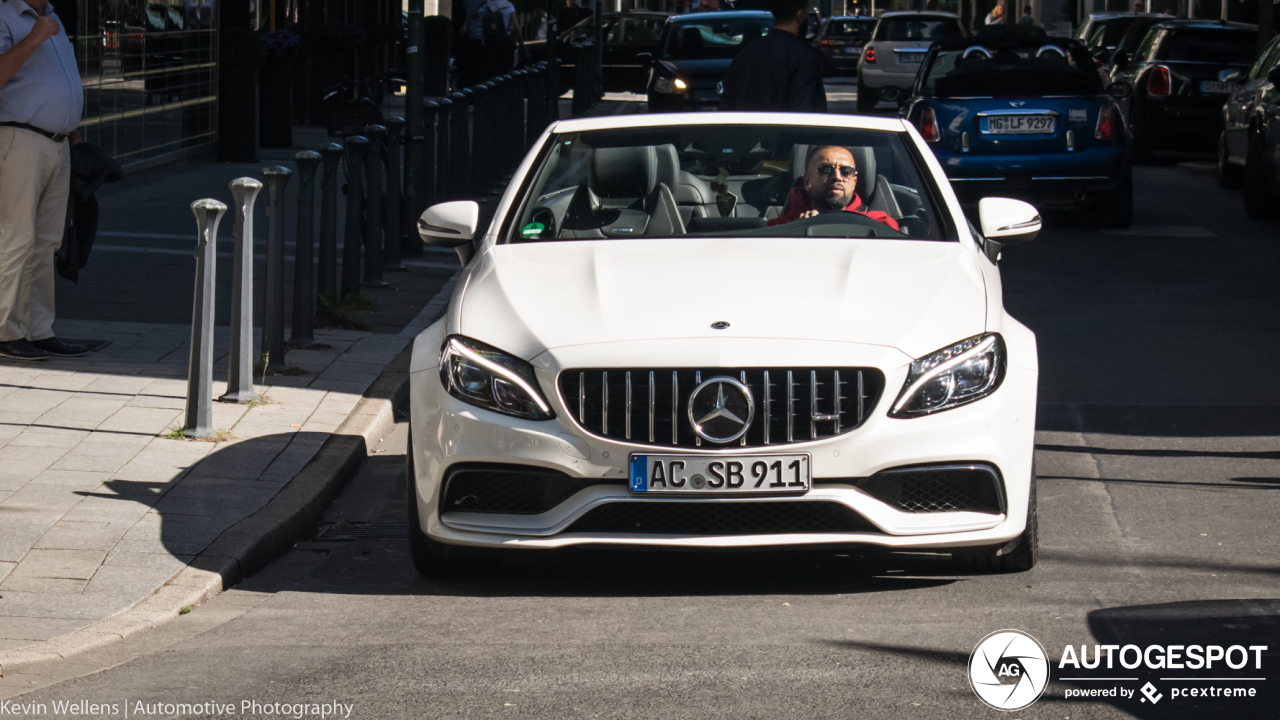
(953,376)
(669,85)
(484,376)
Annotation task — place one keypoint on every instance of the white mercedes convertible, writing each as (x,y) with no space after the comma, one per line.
(727,330)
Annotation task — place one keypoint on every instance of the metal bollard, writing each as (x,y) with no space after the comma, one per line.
(356,147)
(460,142)
(480,165)
(442,183)
(199,420)
(373,207)
(304,285)
(392,224)
(273,306)
(240,364)
(328,270)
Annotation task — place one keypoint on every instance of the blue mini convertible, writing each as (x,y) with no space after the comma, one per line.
(1026,117)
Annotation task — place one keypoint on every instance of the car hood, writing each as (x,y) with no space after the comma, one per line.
(699,73)
(916,296)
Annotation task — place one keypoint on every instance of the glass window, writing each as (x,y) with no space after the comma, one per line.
(702,180)
(713,39)
(1266,59)
(899,29)
(1147,45)
(1031,71)
(1215,46)
(641,30)
(850,29)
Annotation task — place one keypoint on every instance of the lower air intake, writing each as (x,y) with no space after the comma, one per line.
(939,488)
(721,518)
(511,489)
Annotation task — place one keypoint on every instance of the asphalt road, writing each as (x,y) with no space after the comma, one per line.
(1159,485)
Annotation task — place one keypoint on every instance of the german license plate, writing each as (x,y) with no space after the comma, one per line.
(1210,86)
(720,475)
(910,57)
(1018,124)
(849,50)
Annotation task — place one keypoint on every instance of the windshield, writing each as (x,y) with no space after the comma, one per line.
(850,29)
(1109,33)
(897,29)
(739,180)
(1224,47)
(1032,71)
(713,39)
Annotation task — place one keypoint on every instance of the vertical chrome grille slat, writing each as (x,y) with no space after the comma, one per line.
(791,411)
(813,404)
(768,414)
(652,398)
(604,415)
(859,397)
(743,375)
(836,382)
(697,380)
(628,418)
(675,407)
(582,398)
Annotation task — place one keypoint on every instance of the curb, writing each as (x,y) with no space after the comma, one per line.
(250,544)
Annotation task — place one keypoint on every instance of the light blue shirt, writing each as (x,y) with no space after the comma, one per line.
(46,91)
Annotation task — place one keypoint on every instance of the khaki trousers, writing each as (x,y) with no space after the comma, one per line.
(35,183)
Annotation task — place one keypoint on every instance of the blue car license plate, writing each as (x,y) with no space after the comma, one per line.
(720,474)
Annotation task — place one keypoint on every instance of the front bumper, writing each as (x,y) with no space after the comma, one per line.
(1068,178)
(998,430)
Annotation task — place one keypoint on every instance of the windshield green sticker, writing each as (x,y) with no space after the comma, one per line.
(533,230)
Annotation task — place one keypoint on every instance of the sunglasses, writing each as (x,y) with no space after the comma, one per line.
(827,169)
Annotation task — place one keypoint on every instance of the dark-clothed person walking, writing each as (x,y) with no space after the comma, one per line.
(780,72)
(41,98)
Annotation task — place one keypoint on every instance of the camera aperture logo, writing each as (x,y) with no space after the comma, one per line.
(1008,670)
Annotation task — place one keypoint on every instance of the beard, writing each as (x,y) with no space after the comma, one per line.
(832,200)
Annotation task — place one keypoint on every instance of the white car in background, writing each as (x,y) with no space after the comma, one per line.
(893,55)
(632,358)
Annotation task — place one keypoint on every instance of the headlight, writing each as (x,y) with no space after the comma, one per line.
(669,85)
(951,377)
(486,377)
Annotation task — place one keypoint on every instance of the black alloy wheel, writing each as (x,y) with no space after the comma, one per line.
(1229,176)
(1024,554)
(1259,196)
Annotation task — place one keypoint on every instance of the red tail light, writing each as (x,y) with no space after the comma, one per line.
(828,43)
(1106,129)
(929,126)
(1158,82)
(869,56)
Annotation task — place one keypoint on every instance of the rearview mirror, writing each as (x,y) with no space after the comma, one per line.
(451,225)
(1120,89)
(1008,221)
(644,58)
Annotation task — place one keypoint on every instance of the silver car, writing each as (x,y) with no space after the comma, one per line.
(894,53)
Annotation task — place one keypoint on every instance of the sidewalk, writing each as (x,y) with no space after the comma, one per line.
(108,524)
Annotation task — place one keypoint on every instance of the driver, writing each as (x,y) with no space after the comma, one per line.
(828,185)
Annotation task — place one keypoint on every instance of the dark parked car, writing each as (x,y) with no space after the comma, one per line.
(1027,118)
(1247,151)
(626,34)
(840,41)
(1180,83)
(1115,61)
(1101,32)
(695,55)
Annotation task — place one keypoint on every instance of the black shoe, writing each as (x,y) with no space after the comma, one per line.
(57,348)
(20,349)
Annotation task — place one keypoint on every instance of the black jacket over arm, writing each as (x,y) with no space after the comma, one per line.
(777,73)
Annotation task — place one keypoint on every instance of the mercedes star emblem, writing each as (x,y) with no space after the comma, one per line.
(720,325)
(721,416)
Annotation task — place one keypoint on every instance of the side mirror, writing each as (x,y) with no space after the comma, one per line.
(1273,76)
(1234,77)
(451,225)
(1008,221)
(644,58)
(1120,89)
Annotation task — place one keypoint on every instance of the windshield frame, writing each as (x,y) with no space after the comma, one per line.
(948,230)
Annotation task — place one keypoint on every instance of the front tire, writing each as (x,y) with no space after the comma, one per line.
(1115,208)
(1259,198)
(1024,553)
(1229,176)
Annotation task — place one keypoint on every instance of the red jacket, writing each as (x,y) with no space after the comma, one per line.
(800,204)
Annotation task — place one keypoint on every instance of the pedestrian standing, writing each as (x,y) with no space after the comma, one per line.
(780,72)
(1027,20)
(41,98)
(497,31)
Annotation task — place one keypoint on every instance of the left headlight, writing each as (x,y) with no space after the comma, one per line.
(486,377)
(669,85)
(953,376)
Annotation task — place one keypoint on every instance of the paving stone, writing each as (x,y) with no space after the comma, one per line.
(25,405)
(107,463)
(128,581)
(119,384)
(240,458)
(163,561)
(109,510)
(351,387)
(20,533)
(60,564)
(5,568)
(72,479)
(112,444)
(82,411)
(150,421)
(41,500)
(179,534)
(35,628)
(24,604)
(232,506)
(9,432)
(44,586)
(62,380)
(344,370)
(37,436)
(158,401)
(83,536)
(166,387)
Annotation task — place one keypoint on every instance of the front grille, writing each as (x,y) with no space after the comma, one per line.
(939,488)
(721,518)
(649,406)
(502,488)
